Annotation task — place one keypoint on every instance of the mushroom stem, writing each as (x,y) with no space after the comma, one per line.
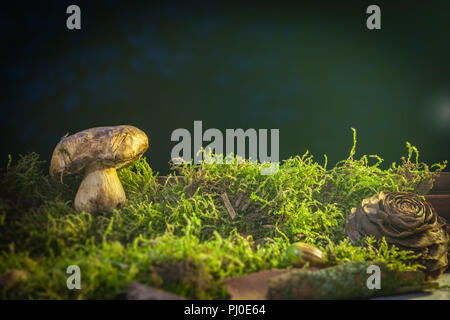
(100,191)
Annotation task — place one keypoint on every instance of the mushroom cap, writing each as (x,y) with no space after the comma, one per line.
(98,148)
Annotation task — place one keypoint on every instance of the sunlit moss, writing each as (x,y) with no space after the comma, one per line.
(163,226)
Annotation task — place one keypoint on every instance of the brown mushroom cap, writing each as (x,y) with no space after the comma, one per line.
(98,148)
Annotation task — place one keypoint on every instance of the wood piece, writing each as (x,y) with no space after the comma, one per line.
(346,281)
(440,203)
(139,291)
(254,286)
(442,183)
(228,205)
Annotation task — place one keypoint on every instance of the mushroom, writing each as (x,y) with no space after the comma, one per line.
(98,152)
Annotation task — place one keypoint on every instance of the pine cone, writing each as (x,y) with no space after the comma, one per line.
(406,221)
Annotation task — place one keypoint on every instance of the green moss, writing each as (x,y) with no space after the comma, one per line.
(371,250)
(346,281)
(187,226)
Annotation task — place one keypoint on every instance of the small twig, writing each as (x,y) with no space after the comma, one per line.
(245,205)
(228,205)
(238,201)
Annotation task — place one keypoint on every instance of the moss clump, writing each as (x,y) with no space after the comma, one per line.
(163,225)
(192,277)
(345,281)
(374,251)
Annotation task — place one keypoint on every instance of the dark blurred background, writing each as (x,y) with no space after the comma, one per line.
(311,70)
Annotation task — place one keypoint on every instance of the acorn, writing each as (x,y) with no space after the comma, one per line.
(300,253)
